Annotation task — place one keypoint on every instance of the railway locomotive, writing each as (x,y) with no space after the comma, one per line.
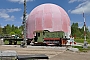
(45,37)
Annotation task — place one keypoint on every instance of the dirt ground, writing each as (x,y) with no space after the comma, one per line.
(52,53)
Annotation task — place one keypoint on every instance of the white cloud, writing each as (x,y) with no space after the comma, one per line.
(10,18)
(71,1)
(80,22)
(84,6)
(4,13)
(6,16)
(13,10)
(20,1)
(80,26)
(10,10)
(89,28)
(69,10)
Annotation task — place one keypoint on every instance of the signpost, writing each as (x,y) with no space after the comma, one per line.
(85,42)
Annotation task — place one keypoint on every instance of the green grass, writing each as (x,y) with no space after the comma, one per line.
(7,42)
(81,49)
(82,40)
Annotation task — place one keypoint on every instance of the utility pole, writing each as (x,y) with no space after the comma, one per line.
(24,25)
(85,42)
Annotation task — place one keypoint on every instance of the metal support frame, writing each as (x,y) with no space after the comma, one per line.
(24,24)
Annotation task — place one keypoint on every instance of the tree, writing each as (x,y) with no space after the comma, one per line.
(79,32)
(0,29)
(4,30)
(12,33)
(8,29)
(75,30)
(13,27)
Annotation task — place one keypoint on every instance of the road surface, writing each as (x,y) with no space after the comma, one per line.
(52,52)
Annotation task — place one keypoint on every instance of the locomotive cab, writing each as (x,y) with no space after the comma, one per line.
(38,37)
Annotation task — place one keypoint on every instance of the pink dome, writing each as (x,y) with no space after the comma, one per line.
(48,17)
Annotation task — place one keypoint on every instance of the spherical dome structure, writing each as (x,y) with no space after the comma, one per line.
(48,17)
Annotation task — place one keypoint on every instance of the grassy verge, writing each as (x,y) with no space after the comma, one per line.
(82,40)
(7,42)
(81,49)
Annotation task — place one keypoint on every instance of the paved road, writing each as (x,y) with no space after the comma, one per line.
(72,56)
(52,52)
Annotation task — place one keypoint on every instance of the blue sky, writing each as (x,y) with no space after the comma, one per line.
(11,11)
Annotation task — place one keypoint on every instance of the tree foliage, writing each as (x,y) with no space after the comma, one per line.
(12,30)
(0,29)
(79,32)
